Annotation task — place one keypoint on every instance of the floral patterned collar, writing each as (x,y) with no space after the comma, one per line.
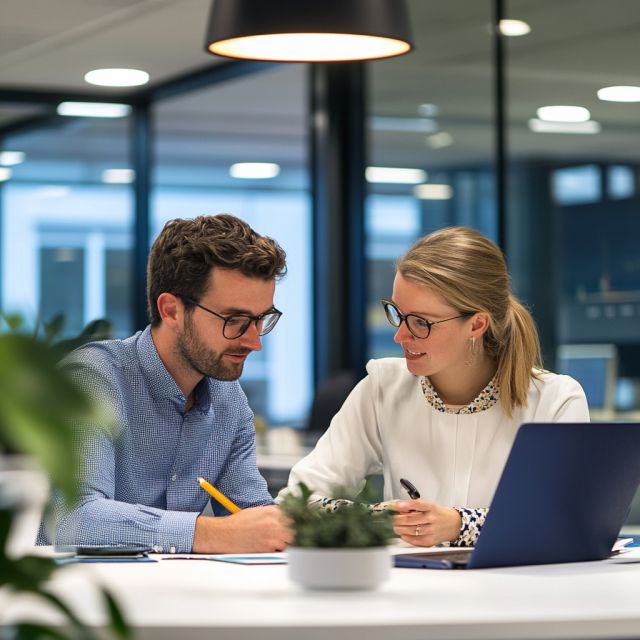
(485,400)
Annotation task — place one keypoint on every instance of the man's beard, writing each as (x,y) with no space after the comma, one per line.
(205,361)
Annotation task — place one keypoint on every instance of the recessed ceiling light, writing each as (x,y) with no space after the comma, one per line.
(118,176)
(439,140)
(93,109)
(395,175)
(541,126)
(563,113)
(428,110)
(513,28)
(117,77)
(5,174)
(433,191)
(10,158)
(620,94)
(254,170)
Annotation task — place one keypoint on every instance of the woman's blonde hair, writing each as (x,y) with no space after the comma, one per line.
(469,272)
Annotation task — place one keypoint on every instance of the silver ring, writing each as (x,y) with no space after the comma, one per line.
(417,530)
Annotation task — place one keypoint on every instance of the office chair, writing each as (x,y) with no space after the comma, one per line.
(328,399)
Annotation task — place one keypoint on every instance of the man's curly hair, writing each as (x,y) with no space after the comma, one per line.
(184,253)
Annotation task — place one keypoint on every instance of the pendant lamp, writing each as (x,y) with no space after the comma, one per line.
(308,30)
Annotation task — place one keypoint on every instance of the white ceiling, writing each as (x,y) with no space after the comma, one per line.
(575,47)
(50,44)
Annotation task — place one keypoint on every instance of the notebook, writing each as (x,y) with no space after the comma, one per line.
(563,496)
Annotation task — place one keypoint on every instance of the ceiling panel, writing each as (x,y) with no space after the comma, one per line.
(163,37)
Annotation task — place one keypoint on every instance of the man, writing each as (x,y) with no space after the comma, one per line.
(182,414)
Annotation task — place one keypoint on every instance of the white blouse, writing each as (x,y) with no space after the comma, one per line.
(387,426)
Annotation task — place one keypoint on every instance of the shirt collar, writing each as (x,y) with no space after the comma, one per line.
(161,383)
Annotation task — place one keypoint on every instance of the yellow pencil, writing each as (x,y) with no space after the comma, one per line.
(220,497)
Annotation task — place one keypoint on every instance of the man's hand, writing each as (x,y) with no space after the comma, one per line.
(425,523)
(255,530)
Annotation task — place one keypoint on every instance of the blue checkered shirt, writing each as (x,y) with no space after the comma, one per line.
(140,488)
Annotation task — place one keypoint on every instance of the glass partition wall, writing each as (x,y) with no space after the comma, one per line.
(67,211)
(241,147)
(66,225)
(573,197)
(431,144)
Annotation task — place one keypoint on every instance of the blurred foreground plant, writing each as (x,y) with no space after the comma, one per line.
(38,406)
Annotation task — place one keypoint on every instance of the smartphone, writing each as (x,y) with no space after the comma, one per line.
(136,552)
(448,560)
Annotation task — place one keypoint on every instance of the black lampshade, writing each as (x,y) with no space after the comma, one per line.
(308,30)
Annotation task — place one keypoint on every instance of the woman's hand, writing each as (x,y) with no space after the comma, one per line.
(425,523)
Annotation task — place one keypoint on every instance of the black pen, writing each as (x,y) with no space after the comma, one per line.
(414,494)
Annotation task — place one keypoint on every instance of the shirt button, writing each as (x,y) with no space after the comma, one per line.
(174,477)
(172,549)
(157,548)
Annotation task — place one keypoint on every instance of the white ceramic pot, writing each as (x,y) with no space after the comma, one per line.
(361,568)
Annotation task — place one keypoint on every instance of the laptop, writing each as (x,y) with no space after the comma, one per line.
(563,496)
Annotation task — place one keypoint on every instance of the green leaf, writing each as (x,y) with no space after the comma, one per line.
(117,621)
(31,631)
(14,321)
(100,329)
(6,520)
(82,632)
(25,574)
(54,327)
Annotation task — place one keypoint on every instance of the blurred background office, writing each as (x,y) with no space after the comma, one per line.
(454,133)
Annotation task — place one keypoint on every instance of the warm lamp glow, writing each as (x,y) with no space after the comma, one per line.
(308,30)
(309,47)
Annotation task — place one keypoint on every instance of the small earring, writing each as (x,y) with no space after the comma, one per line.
(473,344)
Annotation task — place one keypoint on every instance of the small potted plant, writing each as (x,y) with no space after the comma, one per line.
(343,548)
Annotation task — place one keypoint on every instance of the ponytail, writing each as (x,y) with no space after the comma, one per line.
(518,355)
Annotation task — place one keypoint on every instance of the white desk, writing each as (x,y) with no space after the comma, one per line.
(188,599)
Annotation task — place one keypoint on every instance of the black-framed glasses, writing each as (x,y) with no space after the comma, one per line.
(237,324)
(418,326)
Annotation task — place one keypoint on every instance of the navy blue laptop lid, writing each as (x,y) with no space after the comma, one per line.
(563,496)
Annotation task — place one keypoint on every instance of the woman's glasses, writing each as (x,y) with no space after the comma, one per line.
(418,326)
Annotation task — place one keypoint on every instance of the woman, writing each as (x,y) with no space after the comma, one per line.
(446,416)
